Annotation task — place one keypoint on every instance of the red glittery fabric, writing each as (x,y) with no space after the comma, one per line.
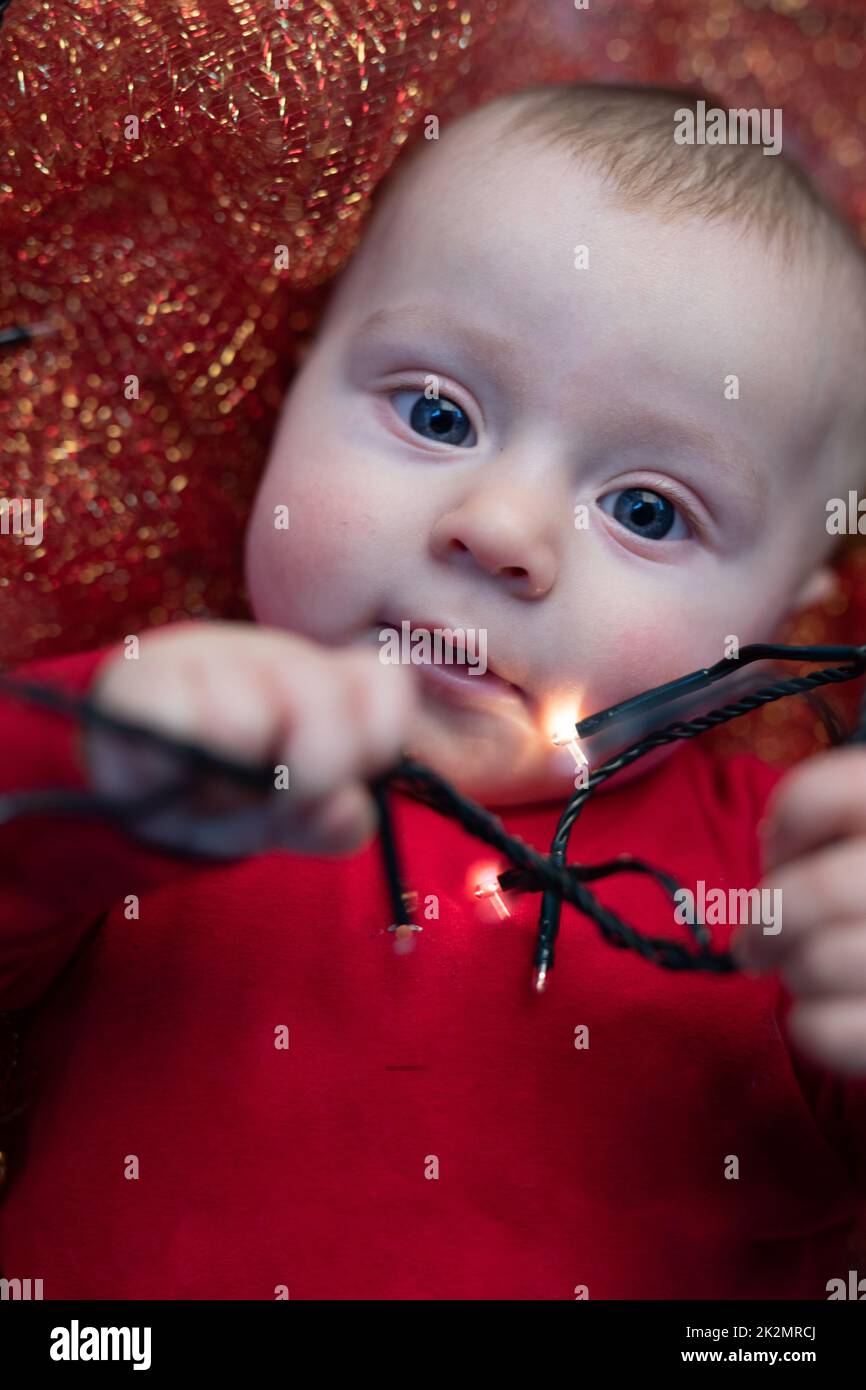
(157,156)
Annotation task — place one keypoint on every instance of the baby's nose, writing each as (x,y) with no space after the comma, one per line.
(503,540)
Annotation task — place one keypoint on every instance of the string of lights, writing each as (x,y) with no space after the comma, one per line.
(529,870)
(673,692)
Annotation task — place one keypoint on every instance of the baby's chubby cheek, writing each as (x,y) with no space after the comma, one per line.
(642,648)
(623,633)
(643,651)
(320,575)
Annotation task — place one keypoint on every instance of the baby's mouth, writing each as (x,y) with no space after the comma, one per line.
(452,672)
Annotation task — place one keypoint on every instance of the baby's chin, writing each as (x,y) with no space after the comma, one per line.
(493,760)
(501,764)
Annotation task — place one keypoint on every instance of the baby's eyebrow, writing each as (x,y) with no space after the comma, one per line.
(665,430)
(422,318)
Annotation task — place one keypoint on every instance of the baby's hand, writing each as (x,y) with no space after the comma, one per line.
(815,852)
(333,718)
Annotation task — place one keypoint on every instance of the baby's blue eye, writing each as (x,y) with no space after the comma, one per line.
(645,513)
(435,418)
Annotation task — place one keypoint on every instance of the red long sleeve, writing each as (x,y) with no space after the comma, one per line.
(247,1090)
(57,875)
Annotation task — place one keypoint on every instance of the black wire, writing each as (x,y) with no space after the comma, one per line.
(672,691)
(195,757)
(442,797)
(551,906)
(390,857)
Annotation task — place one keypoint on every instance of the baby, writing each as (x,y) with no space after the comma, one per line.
(587,390)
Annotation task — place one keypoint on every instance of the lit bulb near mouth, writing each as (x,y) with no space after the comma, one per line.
(563,735)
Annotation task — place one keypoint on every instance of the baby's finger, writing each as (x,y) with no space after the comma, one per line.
(340,824)
(352,725)
(832,1032)
(828,886)
(831,961)
(822,800)
(386,701)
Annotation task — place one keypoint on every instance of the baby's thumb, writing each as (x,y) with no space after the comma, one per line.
(341,823)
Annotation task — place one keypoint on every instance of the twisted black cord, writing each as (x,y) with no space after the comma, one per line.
(390,856)
(551,904)
(439,794)
(558,881)
(700,724)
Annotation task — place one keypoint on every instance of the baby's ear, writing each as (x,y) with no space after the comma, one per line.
(820,584)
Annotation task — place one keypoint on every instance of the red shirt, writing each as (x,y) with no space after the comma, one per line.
(431,1131)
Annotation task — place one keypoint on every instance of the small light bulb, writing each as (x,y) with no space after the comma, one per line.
(404,937)
(489,888)
(566,737)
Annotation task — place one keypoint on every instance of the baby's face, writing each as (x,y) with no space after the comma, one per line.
(600,388)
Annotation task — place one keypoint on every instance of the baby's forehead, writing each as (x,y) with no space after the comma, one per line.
(461,149)
(515,233)
(488,190)
(624,138)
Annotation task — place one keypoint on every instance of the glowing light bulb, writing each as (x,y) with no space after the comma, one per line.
(489,888)
(564,736)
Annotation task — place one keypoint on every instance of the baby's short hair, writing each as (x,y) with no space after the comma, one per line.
(626,133)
